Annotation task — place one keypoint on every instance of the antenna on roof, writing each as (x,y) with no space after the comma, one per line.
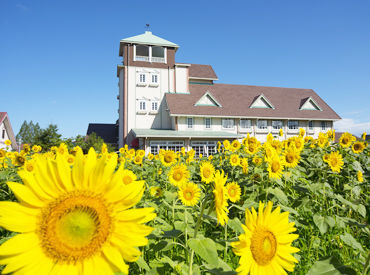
(147,27)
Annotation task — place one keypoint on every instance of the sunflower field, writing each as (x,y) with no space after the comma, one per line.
(298,206)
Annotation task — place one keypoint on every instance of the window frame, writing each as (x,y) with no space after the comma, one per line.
(264,128)
(324,125)
(142,106)
(293,128)
(245,129)
(155,103)
(191,124)
(273,126)
(228,119)
(210,123)
(310,126)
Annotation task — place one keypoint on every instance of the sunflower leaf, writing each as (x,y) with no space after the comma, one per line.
(206,249)
(320,223)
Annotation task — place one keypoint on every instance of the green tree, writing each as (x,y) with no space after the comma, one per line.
(48,137)
(28,132)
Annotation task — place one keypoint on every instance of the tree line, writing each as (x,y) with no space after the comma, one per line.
(31,133)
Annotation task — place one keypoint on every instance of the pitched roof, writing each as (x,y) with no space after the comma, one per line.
(148,38)
(182,134)
(202,71)
(2,116)
(236,100)
(108,132)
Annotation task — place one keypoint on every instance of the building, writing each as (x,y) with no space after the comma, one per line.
(6,132)
(166,104)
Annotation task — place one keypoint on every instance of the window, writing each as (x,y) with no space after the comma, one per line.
(208,123)
(262,124)
(292,124)
(158,54)
(142,53)
(227,123)
(277,124)
(245,124)
(154,78)
(190,122)
(154,105)
(142,78)
(206,148)
(3,134)
(155,146)
(142,105)
(310,125)
(324,125)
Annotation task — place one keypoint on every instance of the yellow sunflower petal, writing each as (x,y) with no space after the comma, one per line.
(140,215)
(24,194)
(114,256)
(18,218)
(30,181)
(19,243)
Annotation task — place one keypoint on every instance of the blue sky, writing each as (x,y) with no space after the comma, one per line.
(58,58)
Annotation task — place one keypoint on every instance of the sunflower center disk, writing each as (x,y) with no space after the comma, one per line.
(289,158)
(206,172)
(275,166)
(74,227)
(177,175)
(263,246)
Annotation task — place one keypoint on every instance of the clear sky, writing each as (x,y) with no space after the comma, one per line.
(58,58)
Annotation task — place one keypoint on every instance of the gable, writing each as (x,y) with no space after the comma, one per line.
(262,102)
(310,104)
(207,100)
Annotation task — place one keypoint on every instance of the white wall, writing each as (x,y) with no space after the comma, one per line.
(2,140)
(182,82)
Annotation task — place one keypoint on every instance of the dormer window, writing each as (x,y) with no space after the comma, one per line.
(155,54)
(142,53)
(158,54)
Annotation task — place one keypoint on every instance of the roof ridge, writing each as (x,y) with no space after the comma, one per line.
(218,84)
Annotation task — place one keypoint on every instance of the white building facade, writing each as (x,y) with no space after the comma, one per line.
(6,132)
(169,105)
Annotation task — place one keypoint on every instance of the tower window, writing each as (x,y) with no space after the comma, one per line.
(154,78)
(142,53)
(142,105)
(154,105)
(190,122)
(142,78)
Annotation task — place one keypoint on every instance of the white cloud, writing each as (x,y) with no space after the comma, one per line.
(353,126)
(21,7)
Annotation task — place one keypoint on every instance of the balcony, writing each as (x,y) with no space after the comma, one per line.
(142,58)
(158,59)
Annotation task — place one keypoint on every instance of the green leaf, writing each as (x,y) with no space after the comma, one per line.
(279,194)
(206,249)
(330,221)
(329,266)
(236,225)
(320,223)
(142,264)
(350,241)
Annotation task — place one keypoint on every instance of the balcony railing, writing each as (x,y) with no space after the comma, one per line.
(148,59)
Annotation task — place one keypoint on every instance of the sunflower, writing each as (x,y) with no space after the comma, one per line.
(308,139)
(150,156)
(302,132)
(277,145)
(128,177)
(281,133)
(74,220)
(335,161)
(269,137)
(331,134)
(325,158)
(189,194)
(322,140)
(178,175)
(2,154)
(358,147)
(291,157)
(207,171)
(251,149)
(8,142)
(234,160)
(26,148)
(244,164)
(275,167)
(235,145)
(140,153)
(168,157)
(36,148)
(138,160)
(360,176)
(226,144)
(156,191)
(257,160)
(233,191)
(299,143)
(220,194)
(364,134)
(265,247)
(346,140)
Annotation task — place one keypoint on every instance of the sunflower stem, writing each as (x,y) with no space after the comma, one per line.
(225,251)
(195,234)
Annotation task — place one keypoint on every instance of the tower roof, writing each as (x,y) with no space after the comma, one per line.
(148,38)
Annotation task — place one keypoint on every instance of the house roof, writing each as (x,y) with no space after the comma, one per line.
(182,134)
(4,118)
(108,132)
(202,72)
(148,38)
(236,100)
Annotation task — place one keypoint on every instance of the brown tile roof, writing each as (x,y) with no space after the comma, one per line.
(202,71)
(2,116)
(236,99)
